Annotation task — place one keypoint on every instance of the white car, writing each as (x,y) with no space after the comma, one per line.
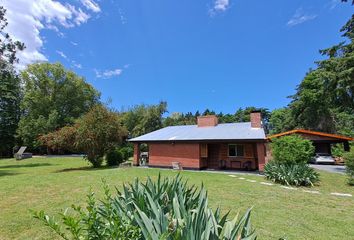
(323,158)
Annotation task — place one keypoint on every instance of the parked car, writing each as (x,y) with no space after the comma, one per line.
(323,158)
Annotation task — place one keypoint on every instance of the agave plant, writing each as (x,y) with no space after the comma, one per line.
(164,209)
(291,174)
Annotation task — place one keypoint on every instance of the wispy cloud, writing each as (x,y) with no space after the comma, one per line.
(108,73)
(91,5)
(62,54)
(72,62)
(300,17)
(74,43)
(27,19)
(219,6)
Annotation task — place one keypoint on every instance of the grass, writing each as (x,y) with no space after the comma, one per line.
(53,184)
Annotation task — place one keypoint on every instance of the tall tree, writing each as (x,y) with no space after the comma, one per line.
(54,97)
(143,119)
(10,88)
(325,98)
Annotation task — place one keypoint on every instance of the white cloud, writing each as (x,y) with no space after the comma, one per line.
(108,73)
(219,6)
(74,43)
(91,5)
(300,17)
(62,54)
(28,17)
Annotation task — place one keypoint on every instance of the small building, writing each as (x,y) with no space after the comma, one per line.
(321,141)
(207,145)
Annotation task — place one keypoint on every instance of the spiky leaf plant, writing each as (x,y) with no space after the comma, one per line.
(164,209)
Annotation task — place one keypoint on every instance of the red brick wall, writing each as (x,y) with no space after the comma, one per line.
(261,156)
(256,120)
(207,121)
(136,154)
(163,154)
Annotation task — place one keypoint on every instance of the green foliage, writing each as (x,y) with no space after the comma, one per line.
(127,151)
(10,89)
(280,121)
(53,98)
(114,157)
(143,119)
(299,174)
(98,132)
(324,99)
(165,209)
(292,150)
(99,221)
(349,166)
(337,150)
(60,141)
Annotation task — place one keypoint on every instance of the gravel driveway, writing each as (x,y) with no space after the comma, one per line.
(329,168)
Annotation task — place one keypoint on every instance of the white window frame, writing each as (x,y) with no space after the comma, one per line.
(228,150)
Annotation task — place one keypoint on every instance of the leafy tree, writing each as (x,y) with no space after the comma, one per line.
(10,88)
(324,100)
(143,119)
(54,97)
(280,121)
(98,132)
(61,140)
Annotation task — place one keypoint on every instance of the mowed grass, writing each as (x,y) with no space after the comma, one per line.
(53,184)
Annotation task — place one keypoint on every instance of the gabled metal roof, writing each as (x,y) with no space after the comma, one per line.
(226,131)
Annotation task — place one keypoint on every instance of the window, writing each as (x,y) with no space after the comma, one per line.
(236,150)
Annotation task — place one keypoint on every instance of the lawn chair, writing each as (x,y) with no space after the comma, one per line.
(176,166)
(21,154)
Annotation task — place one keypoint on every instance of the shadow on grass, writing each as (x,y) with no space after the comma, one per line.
(7,173)
(29,165)
(87,168)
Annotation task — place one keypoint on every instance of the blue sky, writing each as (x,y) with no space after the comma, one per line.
(216,54)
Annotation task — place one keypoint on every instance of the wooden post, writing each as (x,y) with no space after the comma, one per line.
(136,160)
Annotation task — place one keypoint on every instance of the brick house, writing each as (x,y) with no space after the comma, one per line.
(207,145)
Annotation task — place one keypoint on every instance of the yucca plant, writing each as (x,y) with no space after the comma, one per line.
(162,209)
(291,174)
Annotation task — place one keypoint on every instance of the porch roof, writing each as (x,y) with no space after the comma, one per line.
(226,131)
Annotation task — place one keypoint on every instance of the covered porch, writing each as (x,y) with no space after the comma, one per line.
(213,155)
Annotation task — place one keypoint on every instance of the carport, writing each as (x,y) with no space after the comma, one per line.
(321,141)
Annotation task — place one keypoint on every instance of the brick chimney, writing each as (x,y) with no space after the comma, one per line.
(256,119)
(207,121)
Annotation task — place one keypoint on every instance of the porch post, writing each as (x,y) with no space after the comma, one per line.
(136,160)
(261,156)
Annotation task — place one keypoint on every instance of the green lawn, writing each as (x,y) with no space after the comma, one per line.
(53,184)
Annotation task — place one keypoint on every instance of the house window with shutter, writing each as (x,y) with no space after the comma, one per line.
(236,150)
(204,150)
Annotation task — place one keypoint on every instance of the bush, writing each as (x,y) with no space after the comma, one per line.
(127,152)
(114,157)
(292,150)
(349,166)
(166,209)
(291,174)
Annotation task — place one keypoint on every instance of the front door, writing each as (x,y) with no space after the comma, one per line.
(213,156)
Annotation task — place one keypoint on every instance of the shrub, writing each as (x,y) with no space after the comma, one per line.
(292,150)
(114,157)
(291,174)
(98,132)
(349,166)
(127,152)
(165,209)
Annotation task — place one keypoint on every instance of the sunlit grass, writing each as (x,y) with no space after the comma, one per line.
(53,184)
